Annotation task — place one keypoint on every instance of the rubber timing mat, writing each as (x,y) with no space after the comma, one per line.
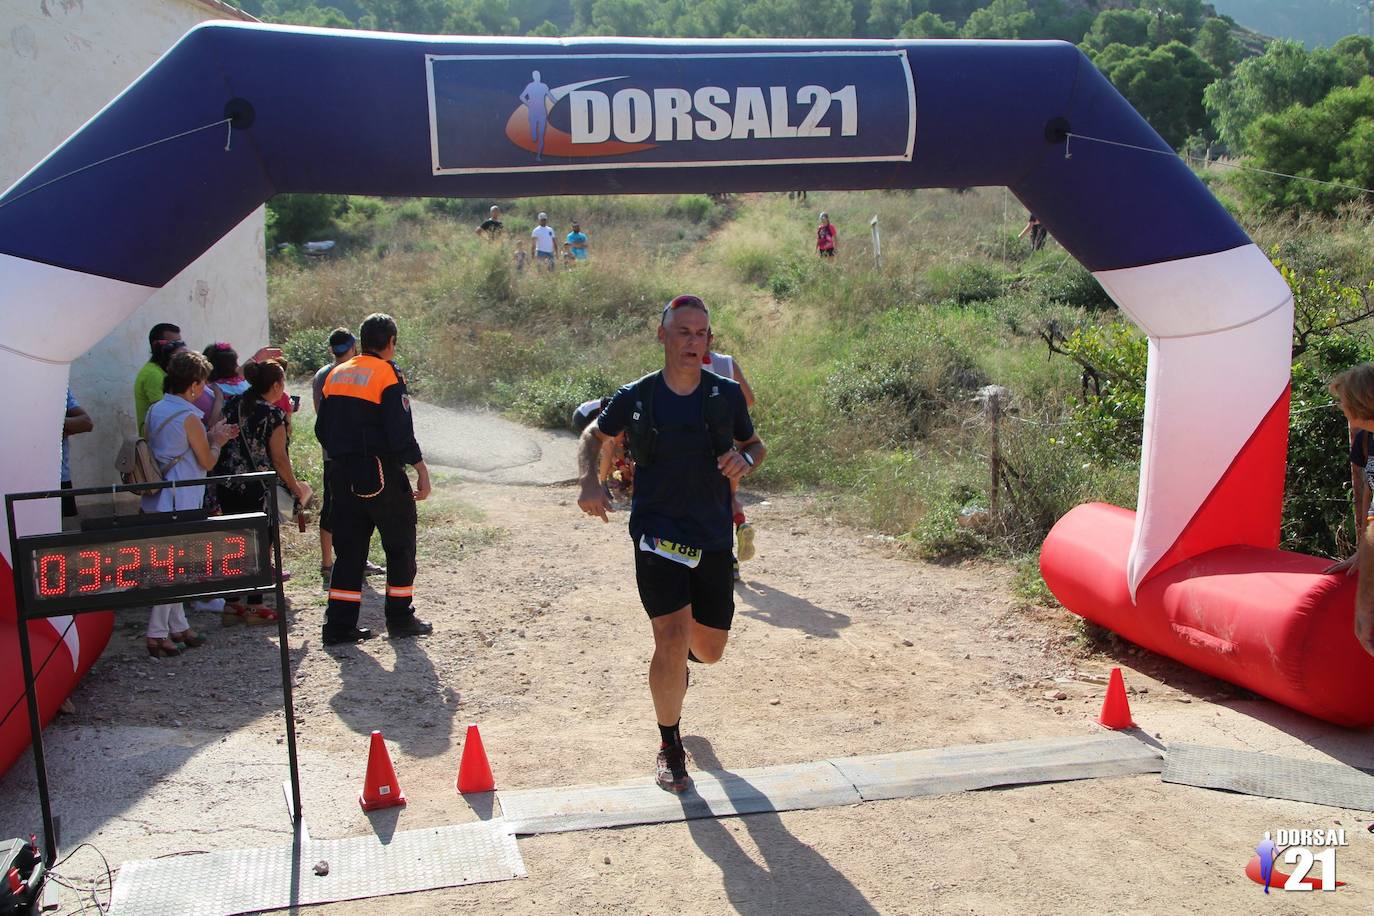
(1317,782)
(249,880)
(828,783)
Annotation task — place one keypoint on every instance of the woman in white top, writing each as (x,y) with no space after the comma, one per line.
(183,450)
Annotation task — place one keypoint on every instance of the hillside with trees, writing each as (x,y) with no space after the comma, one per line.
(866,372)
(1310,22)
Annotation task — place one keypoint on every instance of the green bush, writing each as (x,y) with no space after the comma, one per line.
(458,208)
(550,400)
(1109,423)
(307,350)
(301,218)
(1047,475)
(792,277)
(1317,515)
(1072,284)
(691,207)
(753,262)
(365,208)
(412,211)
(902,379)
(971,281)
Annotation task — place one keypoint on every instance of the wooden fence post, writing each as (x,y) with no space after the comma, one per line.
(995,400)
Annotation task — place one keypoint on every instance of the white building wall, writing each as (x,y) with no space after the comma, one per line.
(61,61)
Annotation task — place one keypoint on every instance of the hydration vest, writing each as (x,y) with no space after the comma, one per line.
(717,418)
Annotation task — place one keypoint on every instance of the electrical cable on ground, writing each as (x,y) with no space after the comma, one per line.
(93,889)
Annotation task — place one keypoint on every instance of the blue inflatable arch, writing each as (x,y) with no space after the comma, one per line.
(90,232)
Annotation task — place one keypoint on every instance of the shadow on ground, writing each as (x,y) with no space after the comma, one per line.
(372,698)
(794,878)
(776,607)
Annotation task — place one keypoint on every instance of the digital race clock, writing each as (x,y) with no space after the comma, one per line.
(143,564)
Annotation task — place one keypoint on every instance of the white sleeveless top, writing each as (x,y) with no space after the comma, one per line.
(722,364)
(167,438)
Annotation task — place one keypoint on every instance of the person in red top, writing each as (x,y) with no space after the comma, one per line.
(825,237)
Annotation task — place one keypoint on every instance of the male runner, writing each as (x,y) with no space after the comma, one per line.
(691,435)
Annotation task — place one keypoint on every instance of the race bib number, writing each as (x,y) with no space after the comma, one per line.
(671,550)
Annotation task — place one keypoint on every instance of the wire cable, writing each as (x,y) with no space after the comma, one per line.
(61,640)
(127,152)
(1229,165)
(94,889)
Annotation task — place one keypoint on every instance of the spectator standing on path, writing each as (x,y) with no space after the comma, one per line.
(542,243)
(1037,230)
(343,346)
(148,383)
(77,421)
(726,366)
(578,240)
(183,450)
(491,226)
(226,374)
(690,433)
(225,381)
(261,445)
(365,424)
(825,237)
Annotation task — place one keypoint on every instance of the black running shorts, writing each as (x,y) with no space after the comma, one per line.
(666,586)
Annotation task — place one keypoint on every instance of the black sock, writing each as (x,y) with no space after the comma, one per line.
(691,657)
(669,734)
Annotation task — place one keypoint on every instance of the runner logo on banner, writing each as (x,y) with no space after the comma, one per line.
(541,113)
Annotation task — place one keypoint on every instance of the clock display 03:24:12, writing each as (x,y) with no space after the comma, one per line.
(146,563)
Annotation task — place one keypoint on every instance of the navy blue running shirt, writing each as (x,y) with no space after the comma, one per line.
(681,496)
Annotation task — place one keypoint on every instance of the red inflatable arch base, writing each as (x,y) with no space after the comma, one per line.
(1264,619)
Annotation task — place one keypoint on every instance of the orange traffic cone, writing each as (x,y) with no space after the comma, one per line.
(1116,712)
(474,772)
(380,789)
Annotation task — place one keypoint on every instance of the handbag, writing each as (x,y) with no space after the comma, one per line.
(135,460)
(287,506)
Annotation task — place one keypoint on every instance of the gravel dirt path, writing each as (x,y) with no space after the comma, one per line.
(843,645)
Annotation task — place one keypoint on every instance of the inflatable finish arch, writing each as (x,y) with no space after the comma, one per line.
(1193,573)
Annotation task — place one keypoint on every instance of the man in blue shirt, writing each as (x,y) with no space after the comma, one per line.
(577,240)
(75,422)
(680,518)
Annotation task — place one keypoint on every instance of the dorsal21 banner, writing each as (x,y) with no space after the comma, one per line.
(522,113)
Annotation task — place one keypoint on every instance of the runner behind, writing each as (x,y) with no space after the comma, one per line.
(726,366)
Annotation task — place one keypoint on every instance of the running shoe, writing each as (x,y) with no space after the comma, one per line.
(372,569)
(672,769)
(745,534)
(734,571)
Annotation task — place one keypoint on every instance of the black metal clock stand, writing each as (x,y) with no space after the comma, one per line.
(139,527)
